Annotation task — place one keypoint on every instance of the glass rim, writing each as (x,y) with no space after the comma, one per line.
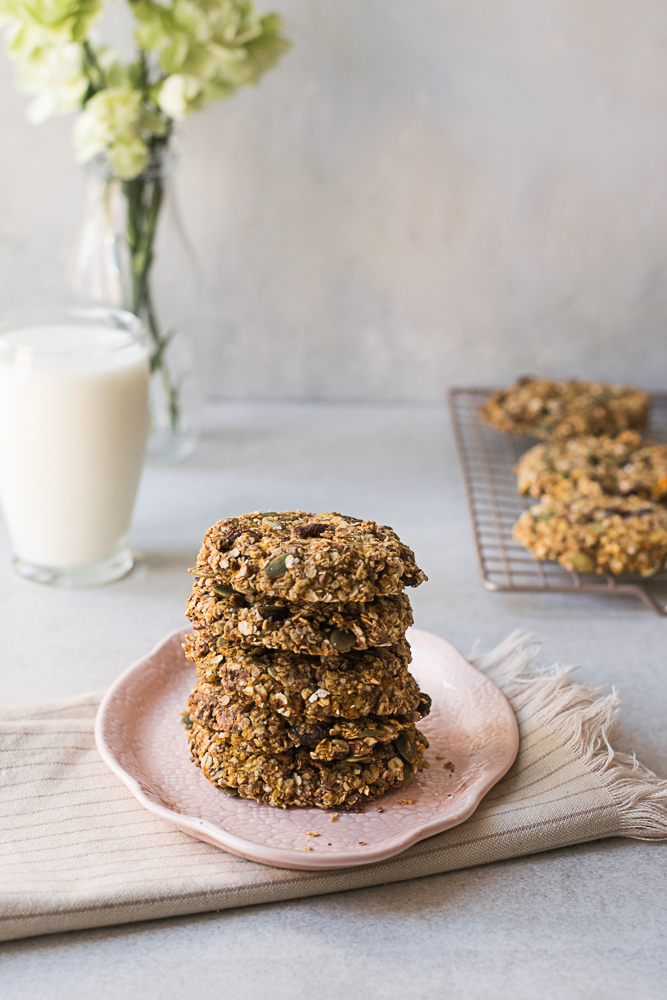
(36,316)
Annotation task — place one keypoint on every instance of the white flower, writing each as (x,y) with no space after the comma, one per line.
(33,24)
(43,37)
(180,95)
(115,122)
(223,43)
(107,116)
(55,75)
(128,156)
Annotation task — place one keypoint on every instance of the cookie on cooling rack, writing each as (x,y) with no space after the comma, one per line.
(603,534)
(552,410)
(621,465)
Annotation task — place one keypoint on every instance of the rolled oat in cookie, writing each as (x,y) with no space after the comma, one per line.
(622,465)
(293,778)
(307,557)
(602,534)
(552,410)
(221,615)
(350,685)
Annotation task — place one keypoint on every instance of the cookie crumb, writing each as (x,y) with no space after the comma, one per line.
(304,847)
(405,802)
(448,766)
(362,843)
(312,833)
(333,817)
(380,809)
(440,756)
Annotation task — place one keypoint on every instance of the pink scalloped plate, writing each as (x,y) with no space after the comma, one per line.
(473,740)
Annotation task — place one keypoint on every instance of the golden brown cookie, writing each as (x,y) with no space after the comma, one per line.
(307,557)
(350,685)
(293,778)
(220,615)
(551,410)
(602,534)
(244,725)
(620,465)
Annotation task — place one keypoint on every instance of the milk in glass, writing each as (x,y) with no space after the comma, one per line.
(73,421)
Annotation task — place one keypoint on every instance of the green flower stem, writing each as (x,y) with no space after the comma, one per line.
(144,196)
(93,71)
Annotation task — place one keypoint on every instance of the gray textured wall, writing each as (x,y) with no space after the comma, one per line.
(426,192)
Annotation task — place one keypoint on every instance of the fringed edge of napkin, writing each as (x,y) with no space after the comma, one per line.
(586,718)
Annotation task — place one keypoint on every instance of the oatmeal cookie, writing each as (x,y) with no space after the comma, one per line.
(239,722)
(620,465)
(243,725)
(307,557)
(293,778)
(349,685)
(220,615)
(550,410)
(603,534)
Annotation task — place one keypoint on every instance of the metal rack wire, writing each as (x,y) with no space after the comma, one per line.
(487,460)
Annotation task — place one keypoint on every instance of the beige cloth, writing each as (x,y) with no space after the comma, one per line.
(79,851)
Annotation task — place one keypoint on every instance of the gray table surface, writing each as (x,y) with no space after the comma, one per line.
(583,922)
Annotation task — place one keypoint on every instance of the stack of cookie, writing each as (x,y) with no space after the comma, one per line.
(304,695)
(602,489)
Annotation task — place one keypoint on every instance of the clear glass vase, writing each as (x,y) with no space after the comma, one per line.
(132,252)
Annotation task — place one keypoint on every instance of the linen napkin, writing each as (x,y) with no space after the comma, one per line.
(78,851)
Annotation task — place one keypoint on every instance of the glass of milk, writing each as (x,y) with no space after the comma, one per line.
(73,422)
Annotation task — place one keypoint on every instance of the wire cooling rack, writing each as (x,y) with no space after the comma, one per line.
(488,459)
